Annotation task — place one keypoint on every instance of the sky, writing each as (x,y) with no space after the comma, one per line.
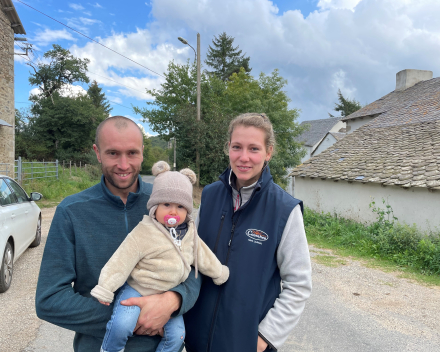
(319,46)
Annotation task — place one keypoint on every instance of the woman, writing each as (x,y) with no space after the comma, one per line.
(256,229)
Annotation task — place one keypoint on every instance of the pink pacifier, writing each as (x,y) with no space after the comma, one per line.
(171,220)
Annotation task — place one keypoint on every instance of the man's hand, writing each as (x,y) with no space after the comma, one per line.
(156,310)
(261,345)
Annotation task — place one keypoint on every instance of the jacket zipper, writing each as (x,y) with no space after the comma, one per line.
(218,234)
(126,220)
(211,330)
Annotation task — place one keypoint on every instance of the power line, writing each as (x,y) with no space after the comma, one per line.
(96,74)
(65,25)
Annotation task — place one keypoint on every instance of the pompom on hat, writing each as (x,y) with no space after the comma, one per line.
(172,186)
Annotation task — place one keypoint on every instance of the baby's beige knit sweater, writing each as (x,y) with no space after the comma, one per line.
(151,263)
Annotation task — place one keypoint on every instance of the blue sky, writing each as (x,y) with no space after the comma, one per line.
(319,46)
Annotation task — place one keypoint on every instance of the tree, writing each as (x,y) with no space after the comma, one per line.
(65,125)
(224,58)
(346,106)
(247,94)
(63,68)
(98,98)
(173,114)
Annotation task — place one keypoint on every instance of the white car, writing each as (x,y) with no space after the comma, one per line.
(20,226)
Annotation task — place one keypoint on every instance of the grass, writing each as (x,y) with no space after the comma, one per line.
(55,190)
(386,244)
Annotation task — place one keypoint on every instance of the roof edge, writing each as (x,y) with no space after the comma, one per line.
(9,10)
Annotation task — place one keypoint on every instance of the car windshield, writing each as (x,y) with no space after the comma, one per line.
(19,193)
(6,196)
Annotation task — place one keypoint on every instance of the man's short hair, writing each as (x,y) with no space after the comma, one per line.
(120,122)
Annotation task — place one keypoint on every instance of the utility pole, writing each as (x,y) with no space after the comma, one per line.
(174,153)
(184,41)
(198,107)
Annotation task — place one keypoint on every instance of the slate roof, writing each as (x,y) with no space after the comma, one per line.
(400,147)
(317,130)
(338,135)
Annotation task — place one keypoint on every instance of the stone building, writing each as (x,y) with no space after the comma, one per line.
(10,24)
(394,155)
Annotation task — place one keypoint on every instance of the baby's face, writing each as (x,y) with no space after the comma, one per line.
(170,209)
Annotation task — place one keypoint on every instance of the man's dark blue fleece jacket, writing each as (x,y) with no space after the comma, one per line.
(86,230)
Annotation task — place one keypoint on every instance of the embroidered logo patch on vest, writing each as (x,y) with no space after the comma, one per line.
(257,236)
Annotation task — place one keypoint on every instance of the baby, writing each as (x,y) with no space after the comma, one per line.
(155,257)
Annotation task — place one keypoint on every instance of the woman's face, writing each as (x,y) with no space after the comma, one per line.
(247,154)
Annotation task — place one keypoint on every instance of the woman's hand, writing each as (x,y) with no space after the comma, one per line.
(104,303)
(261,345)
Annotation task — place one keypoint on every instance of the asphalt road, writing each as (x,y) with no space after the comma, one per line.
(352,308)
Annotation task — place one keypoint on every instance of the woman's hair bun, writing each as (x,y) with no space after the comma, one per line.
(160,167)
(190,174)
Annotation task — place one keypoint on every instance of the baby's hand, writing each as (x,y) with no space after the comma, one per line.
(104,303)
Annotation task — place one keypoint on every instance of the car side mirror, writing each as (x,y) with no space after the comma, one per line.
(35,196)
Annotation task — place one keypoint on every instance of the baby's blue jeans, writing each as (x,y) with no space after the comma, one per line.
(123,321)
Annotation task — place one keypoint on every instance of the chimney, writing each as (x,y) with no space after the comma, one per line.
(408,78)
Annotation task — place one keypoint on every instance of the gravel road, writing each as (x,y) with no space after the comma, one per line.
(352,308)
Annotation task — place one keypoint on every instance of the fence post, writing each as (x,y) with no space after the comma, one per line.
(32,170)
(19,171)
(80,164)
(56,164)
(45,168)
(70,167)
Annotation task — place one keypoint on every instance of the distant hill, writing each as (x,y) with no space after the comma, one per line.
(157,142)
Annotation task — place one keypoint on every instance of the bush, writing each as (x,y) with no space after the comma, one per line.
(386,239)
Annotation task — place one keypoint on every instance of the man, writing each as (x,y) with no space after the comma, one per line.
(86,230)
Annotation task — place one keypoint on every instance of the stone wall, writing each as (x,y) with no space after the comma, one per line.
(7,106)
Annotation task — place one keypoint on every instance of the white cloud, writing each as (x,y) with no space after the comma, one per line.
(114,99)
(77,7)
(49,36)
(88,21)
(87,13)
(338,4)
(369,41)
(98,6)
(146,134)
(354,45)
(67,91)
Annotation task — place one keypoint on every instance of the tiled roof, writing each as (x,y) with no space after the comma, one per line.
(338,135)
(399,147)
(317,130)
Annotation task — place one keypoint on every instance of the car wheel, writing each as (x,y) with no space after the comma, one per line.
(37,240)
(6,268)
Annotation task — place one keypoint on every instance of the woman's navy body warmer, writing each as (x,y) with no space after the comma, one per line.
(226,317)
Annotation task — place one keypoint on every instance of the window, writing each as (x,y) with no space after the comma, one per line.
(19,193)
(6,196)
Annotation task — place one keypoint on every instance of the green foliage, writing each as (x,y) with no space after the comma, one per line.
(384,239)
(57,126)
(152,154)
(98,98)
(156,141)
(64,126)
(247,94)
(173,114)
(346,106)
(63,68)
(224,58)
(54,190)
